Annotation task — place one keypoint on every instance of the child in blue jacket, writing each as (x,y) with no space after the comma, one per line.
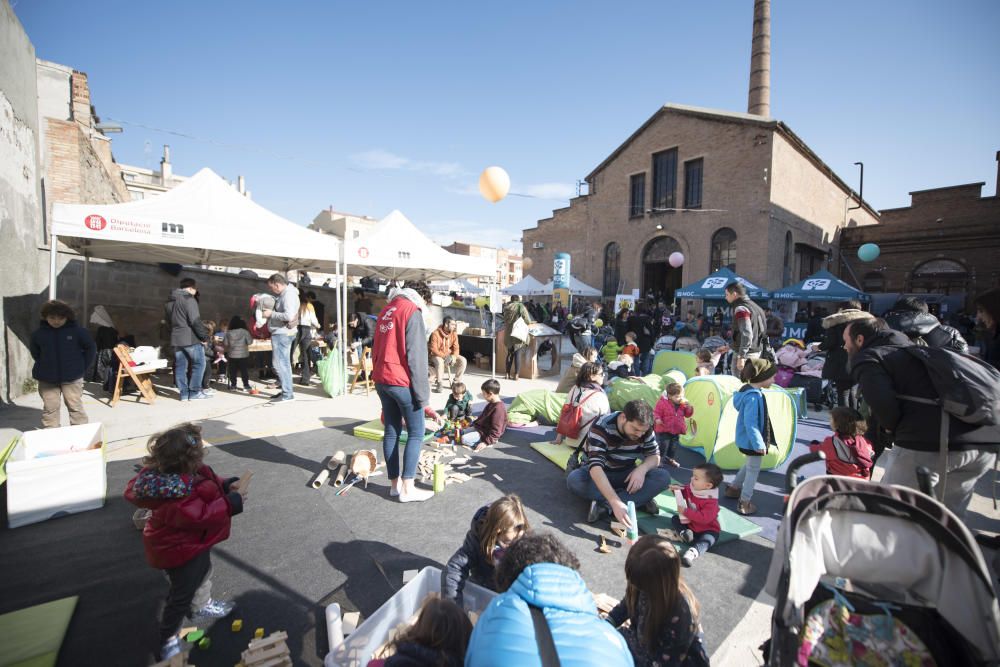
(754,433)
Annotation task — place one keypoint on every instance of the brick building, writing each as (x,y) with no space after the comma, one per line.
(723,188)
(946,241)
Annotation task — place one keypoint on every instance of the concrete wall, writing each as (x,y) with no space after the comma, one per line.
(23,270)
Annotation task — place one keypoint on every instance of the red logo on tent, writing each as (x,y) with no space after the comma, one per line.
(95,222)
(363,253)
(710,399)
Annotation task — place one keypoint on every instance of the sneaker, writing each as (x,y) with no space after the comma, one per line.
(393,490)
(214,609)
(232,387)
(687,535)
(277,398)
(171,648)
(415,495)
(733,491)
(673,463)
(201,395)
(208,391)
(285,399)
(651,508)
(595,513)
(746,507)
(437,388)
(690,556)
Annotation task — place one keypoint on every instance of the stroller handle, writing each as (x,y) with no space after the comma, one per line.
(791,475)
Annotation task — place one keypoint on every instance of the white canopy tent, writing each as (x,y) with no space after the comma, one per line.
(460,285)
(527,286)
(397,250)
(202,221)
(576,288)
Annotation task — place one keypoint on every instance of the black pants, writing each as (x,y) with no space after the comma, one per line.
(454,412)
(845,395)
(304,341)
(184,582)
(513,360)
(240,366)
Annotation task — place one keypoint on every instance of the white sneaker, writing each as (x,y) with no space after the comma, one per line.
(689,557)
(687,535)
(415,495)
(394,489)
(214,609)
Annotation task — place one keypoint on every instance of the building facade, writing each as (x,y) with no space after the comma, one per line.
(143,183)
(947,242)
(507,263)
(722,188)
(342,225)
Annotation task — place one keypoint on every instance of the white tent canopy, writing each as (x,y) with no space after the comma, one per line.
(203,220)
(576,288)
(527,286)
(397,250)
(461,285)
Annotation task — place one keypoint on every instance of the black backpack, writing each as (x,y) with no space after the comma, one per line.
(968,388)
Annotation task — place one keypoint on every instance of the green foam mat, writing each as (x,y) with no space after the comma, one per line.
(558,454)
(374,430)
(732,524)
(31,637)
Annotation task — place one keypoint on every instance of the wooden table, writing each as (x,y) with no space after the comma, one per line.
(530,368)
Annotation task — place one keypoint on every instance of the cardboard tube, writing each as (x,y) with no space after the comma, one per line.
(438,477)
(334,626)
(336,460)
(338,479)
(321,478)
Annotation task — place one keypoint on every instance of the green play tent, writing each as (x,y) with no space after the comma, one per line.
(708,395)
(538,405)
(683,361)
(781,410)
(629,389)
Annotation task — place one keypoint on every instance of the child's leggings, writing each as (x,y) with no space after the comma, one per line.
(702,541)
(746,478)
(513,360)
(239,366)
(190,589)
(668,446)
(455,411)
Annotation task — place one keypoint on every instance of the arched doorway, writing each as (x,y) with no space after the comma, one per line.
(657,274)
(940,276)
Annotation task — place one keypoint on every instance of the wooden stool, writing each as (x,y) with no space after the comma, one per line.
(365,366)
(138,375)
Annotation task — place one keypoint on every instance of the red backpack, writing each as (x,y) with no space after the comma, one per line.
(259,332)
(571,416)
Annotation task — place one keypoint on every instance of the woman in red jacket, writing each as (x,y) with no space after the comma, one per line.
(399,360)
(192,510)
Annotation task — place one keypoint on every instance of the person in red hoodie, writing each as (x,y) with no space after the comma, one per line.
(847,451)
(669,423)
(697,518)
(192,509)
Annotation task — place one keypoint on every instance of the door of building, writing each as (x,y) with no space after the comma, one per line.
(657,274)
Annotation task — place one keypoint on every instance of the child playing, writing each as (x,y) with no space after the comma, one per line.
(669,423)
(494,528)
(459,403)
(63,351)
(847,451)
(192,511)
(621,367)
(698,522)
(708,360)
(440,636)
(754,433)
(211,357)
(491,424)
(663,628)
(632,350)
(237,346)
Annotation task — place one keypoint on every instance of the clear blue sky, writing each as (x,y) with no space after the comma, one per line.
(371,106)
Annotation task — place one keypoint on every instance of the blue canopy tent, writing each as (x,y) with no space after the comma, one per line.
(820,286)
(713,288)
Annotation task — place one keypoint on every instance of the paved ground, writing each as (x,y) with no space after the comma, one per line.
(295,549)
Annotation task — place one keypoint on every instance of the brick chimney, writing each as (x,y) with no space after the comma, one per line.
(998,173)
(166,170)
(759,102)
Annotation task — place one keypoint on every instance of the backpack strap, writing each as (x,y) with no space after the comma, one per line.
(943,445)
(543,637)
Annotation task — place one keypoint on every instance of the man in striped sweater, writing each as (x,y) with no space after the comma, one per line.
(611,478)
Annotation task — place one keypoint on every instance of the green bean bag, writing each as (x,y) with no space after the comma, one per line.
(665,360)
(538,405)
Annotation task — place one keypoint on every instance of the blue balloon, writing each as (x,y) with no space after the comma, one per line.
(869,252)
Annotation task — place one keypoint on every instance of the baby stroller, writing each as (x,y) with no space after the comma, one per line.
(869,574)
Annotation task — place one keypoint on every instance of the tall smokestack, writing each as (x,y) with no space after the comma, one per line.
(759,103)
(166,170)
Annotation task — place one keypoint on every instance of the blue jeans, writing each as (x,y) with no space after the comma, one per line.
(702,541)
(646,363)
(281,360)
(580,484)
(746,478)
(398,407)
(182,355)
(668,446)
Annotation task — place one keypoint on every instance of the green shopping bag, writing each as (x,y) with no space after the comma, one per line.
(330,370)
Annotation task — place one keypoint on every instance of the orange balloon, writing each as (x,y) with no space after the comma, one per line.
(494,184)
(527,263)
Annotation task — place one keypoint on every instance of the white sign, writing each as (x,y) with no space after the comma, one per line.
(817,284)
(715,282)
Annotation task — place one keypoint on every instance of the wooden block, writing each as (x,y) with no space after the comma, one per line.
(497,477)
(604,548)
(245,480)
(460,461)
(408,575)
(476,474)
(460,476)
(351,620)
(237,625)
(258,633)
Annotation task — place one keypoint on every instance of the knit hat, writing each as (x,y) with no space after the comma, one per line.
(757,370)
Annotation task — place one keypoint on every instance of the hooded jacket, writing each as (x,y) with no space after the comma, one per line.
(702,509)
(191,513)
(568,379)
(184,319)
(884,369)
(682,642)
(505,635)
(469,562)
(835,367)
(669,417)
(61,355)
(849,457)
(443,343)
(399,352)
(753,428)
(924,328)
(411,654)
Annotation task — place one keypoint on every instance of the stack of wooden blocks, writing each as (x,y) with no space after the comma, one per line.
(428,459)
(271,651)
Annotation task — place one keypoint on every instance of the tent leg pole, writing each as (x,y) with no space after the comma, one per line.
(343,309)
(86,285)
(53,252)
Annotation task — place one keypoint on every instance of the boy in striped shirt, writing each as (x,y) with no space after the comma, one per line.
(611,477)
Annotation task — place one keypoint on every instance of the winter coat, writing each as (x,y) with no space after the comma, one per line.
(411,654)
(594,405)
(925,329)
(399,352)
(791,356)
(364,332)
(682,644)
(568,379)
(642,325)
(284,319)
(492,423)
(443,344)
(61,355)
(883,369)
(753,427)
(469,562)
(190,513)
(464,403)
(849,457)
(835,367)
(749,327)
(702,509)
(505,635)
(512,312)
(669,417)
(184,319)
(991,348)
(237,343)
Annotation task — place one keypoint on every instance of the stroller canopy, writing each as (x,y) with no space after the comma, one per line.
(820,286)
(713,288)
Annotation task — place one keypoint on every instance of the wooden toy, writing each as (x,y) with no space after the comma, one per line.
(237,625)
(194,637)
(179,660)
(258,633)
(604,548)
(270,651)
(205,643)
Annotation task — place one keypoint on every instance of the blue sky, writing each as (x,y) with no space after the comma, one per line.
(371,106)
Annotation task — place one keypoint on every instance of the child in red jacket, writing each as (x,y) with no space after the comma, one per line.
(669,422)
(697,518)
(192,509)
(847,451)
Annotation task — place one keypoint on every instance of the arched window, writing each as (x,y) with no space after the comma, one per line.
(943,276)
(873,283)
(723,250)
(611,269)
